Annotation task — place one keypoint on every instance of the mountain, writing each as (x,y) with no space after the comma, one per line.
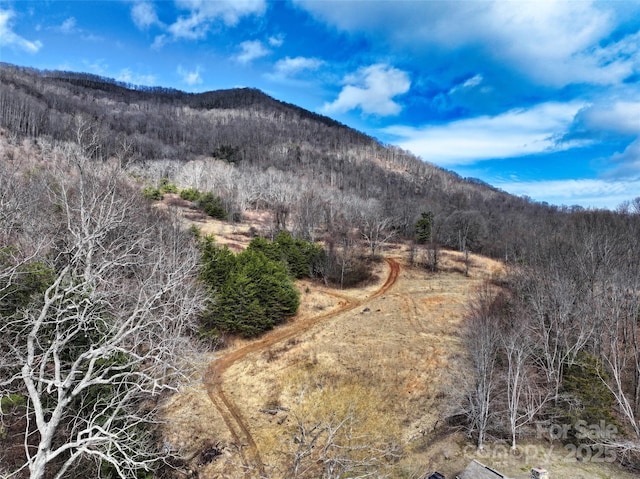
(256,133)
(552,344)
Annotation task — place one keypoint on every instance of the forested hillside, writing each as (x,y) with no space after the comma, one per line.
(104,295)
(558,346)
(270,153)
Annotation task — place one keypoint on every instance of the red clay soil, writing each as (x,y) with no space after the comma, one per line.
(214,379)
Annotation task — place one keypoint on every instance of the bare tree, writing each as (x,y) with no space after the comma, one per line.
(432,256)
(280,193)
(559,323)
(375,228)
(331,449)
(91,352)
(308,214)
(630,207)
(621,354)
(524,397)
(481,339)
(465,229)
(11,202)
(87,135)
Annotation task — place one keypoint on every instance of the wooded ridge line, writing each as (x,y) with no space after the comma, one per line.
(104,295)
(163,129)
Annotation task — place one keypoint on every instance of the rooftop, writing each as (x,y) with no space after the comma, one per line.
(477,470)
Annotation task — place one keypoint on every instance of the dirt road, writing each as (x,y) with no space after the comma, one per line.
(214,379)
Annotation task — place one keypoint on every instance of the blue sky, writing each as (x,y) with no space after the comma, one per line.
(537,98)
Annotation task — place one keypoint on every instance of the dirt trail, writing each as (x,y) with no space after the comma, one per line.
(214,379)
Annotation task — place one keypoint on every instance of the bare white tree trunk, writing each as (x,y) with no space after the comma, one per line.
(93,351)
(524,397)
(621,348)
(331,449)
(375,228)
(559,325)
(481,340)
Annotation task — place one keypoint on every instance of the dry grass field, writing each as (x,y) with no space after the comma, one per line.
(380,366)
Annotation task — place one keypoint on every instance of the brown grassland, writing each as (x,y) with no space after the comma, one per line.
(388,356)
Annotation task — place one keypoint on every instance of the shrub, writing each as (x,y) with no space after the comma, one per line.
(212,206)
(153,194)
(250,293)
(167,187)
(302,259)
(190,194)
(157,194)
(194,231)
(11,401)
(30,279)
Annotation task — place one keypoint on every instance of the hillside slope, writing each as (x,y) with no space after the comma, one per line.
(380,368)
(386,354)
(256,133)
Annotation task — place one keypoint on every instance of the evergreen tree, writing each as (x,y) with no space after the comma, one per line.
(423,227)
(301,257)
(217,263)
(250,293)
(585,396)
(212,205)
(237,310)
(270,284)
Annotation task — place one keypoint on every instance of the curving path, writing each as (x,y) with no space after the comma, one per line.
(214,379)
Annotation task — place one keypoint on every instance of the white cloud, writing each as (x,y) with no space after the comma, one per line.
(292,66)
(467,92)
(193,27)
(190,78)
(589,193)
(554,43)
(613,118)
(68,26)
(251,50)
(160,41)
(8,38)
(514,133)
(127,76)
(202,13)
(229,10)
(611,115)
(276,41)
(472,82)
(98,66)
(371,89)
(627,161)
(144,15)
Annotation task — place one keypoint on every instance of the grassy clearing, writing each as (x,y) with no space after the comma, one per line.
(342,419)
(392,362)
(391,354)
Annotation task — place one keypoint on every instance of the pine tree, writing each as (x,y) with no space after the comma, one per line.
(423,227)
(250,293)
